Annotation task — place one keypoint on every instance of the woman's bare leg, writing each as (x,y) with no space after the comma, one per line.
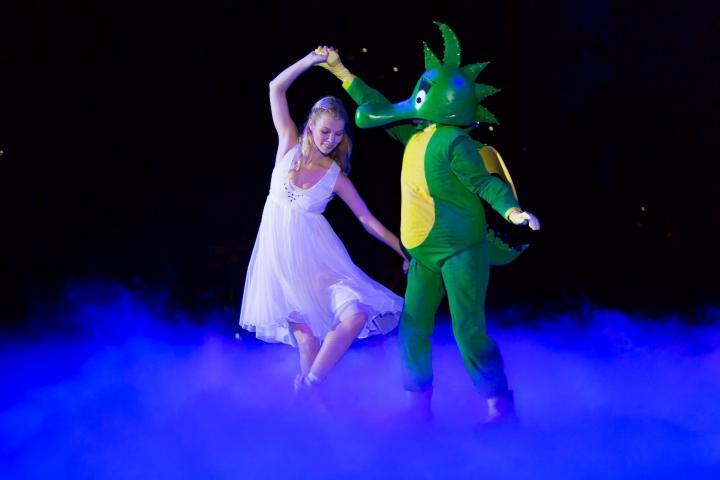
(336,343)
(308,345)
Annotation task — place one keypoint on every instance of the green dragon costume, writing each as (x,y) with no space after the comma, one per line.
(444,180)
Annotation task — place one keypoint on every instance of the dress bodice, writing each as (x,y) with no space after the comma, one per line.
(313,199)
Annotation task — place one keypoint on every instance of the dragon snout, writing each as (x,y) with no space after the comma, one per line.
(371,115)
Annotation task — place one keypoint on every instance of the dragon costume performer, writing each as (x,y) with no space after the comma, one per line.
(446,176)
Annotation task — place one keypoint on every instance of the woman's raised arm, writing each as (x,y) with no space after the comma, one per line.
(286,128)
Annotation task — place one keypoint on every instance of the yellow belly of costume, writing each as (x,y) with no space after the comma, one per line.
(418,208)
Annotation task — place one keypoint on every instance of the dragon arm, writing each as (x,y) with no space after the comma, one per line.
(360,92)
(468,165)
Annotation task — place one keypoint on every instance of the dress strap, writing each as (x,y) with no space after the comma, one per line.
(330,177)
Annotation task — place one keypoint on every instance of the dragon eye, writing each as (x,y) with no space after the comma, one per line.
(422,92)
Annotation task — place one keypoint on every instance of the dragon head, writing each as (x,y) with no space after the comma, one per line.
(446,93)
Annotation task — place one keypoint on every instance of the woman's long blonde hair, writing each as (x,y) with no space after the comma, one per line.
(341,155)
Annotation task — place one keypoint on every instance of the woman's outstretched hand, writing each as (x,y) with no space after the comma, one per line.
(319,55)
(332,57)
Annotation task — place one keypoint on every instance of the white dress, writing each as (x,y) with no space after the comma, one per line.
(300,271)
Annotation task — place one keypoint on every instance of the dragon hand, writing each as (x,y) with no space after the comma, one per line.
(517,216)
(334,65)
(524,218)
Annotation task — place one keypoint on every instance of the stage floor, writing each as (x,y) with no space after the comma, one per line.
(131,395)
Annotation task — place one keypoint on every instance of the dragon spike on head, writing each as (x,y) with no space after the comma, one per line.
(451,56)
(451,49)
(431,60)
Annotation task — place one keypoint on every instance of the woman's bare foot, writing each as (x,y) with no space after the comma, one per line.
(309,391)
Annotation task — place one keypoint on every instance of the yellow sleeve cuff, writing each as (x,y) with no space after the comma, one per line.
(348,81)
(510,211)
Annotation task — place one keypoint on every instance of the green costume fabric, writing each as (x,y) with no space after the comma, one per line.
(443,227)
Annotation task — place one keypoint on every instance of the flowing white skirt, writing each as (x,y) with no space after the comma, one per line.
(300,271)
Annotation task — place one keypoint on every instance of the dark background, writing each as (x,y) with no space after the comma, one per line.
(137,141)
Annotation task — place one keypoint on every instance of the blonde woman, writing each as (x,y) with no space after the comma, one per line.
(302,287)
